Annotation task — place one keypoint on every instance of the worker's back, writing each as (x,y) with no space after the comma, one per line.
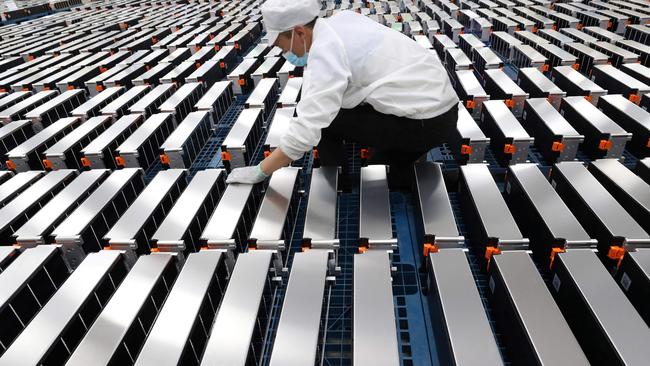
(386,67)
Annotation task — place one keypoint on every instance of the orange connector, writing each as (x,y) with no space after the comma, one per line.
(489,252)
(470,104)
(634,98)
(554,251)
(226,156)
(466,149)
(510,103)
(429,248)
(119,161)
(164,158)
(364,153)
(47,164)
(85,162)
(509,149)
(10,165)
(616,253)
(557,146)
(605,145)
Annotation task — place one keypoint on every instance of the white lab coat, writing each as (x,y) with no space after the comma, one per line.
(352,60)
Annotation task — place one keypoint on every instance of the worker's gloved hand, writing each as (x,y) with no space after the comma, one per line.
(247,175)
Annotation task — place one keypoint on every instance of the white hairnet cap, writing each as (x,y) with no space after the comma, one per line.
(282,15)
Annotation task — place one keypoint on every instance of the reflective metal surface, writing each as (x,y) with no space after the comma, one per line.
(44,330)
(179,97)
(83,215)
(296,338)
(241,129)
(184,131)
(537,313)
(470,337)
(374,333)
(17,184)
(33,230)
(170,332)
(495,216)
(22,269)
(215,92)
(107,332)
(130,223)
(102,141)
(320,219)
(261,92)
(435,208)
(41,137)
(609,212)
(279,126)
(32,195)
(555,214)
(375,217)
(617,318)
(176,223)
(220,229)
(231,334)
(137,138)
(97,100)
(290,92)
(160,91)
(134,93)
(272,214)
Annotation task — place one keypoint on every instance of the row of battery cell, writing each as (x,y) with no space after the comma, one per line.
(512,273)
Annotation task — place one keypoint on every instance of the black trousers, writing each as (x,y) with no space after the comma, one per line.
(394,141)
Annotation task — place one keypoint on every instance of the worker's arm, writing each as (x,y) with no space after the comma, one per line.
(325,81)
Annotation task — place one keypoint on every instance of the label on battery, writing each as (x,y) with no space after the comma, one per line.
(626,281)
(556,283)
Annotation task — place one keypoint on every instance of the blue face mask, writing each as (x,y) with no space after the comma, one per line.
(293,59)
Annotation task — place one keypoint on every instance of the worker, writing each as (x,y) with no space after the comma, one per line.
(363,83)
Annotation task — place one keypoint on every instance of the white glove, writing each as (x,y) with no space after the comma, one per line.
(247,175)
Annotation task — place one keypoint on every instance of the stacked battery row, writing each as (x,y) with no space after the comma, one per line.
(123,244)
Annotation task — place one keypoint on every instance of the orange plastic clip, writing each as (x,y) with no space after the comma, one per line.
(557,146)
(429,248)
(364,153)
(85,162)
(241,82)
(589,98)
(634,98)
(236,46)
(99,88)
(70,87)
(576,67)
(102,69)
(610,24)
(164,158)
(509,149)
(47,164)
(267,154)
(222,65)
(197,65)
(578,26)
(554,251)
(155,250)
(616,253)
(363,248)
(489,252)
(470,104)
(316,156)
(119,161)
(534,29)
(10,165)
(545,68)
(510,103)
(197,48)
(605,145)
(648,144)
(225,156)
(466,149)
(154,40)
(30,57)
